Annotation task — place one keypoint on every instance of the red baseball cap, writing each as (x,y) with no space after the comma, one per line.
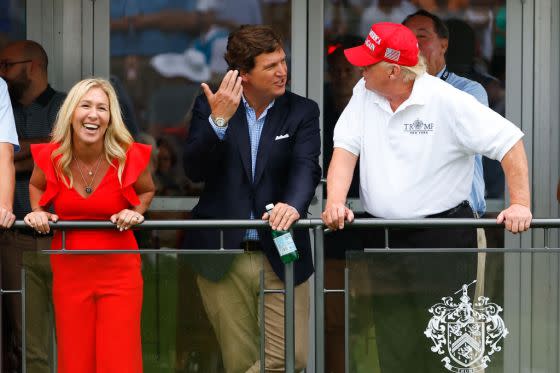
(391,42)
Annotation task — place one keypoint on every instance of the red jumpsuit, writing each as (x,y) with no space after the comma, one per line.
(97,298)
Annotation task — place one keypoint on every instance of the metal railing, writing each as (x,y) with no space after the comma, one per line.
(318,231)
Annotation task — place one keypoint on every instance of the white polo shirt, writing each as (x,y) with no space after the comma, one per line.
(7,124)
(419,160)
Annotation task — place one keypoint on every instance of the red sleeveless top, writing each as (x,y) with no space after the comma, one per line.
(107,199)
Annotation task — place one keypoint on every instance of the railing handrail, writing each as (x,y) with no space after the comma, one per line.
(302,223)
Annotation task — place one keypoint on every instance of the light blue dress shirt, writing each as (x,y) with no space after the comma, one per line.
(255,129)
(476,90)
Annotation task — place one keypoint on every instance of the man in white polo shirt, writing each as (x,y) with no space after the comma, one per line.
(416,137)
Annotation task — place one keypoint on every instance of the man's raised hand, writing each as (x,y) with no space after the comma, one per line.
(225,101)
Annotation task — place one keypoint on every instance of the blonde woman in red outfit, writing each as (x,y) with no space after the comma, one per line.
(92,170)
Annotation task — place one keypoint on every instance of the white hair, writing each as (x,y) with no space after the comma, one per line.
(409,73)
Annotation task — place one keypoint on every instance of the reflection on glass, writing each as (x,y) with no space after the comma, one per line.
(161,50)
(12,21)
(160,53)
(476,51)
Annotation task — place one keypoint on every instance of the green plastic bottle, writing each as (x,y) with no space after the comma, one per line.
(284,242)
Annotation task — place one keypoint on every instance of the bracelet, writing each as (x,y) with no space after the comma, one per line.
(37,208)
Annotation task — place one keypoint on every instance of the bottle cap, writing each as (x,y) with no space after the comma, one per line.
(269,207)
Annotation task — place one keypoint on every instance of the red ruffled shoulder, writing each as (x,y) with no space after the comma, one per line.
(42,156)
(137,159)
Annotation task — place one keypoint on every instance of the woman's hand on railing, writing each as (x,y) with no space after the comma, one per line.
(39,220)
(126,218)
(335,214)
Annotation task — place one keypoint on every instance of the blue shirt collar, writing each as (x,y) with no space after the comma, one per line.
(440,73)
(249,108)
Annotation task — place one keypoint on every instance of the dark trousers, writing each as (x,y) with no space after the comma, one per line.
(395,290)
(406,285)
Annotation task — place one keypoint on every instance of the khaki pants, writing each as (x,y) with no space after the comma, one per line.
(232,308)
(21,251)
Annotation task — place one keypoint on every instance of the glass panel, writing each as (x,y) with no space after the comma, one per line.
(404,306)
(160,53)
(200,312)
(13,27)
(176,334)
(476,51)
(12,21)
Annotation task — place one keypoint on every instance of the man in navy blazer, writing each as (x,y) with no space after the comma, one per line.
(253,143)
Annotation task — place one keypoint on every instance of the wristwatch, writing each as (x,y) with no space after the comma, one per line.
(220,122)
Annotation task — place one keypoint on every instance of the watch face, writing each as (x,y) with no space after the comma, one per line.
(220,122)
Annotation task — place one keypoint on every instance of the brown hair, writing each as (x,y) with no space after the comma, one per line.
(247,42)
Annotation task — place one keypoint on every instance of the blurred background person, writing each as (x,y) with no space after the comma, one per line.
(385,11)
(24,64)
(141,29)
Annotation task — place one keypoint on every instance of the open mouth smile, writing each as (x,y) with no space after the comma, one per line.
(90,126)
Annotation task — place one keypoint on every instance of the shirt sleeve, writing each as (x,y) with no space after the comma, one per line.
(480,130)
(220,131)
(347,131)
(42,156)
(137,159)
(8,131)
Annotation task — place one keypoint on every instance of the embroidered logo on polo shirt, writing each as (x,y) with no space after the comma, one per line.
(418,127)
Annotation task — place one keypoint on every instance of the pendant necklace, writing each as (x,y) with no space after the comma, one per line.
(89,187)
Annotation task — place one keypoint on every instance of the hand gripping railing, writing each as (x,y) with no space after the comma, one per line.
(319,290)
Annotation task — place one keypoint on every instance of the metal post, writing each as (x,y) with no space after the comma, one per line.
(262,324)
(1,318)
(318,236)
(158,327)
(54,346)
(23,323)
(386,238)
(346,321)
(289,324)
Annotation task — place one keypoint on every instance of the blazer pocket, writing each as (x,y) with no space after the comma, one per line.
(282,137)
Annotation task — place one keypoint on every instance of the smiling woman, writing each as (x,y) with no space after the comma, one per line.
(92,170)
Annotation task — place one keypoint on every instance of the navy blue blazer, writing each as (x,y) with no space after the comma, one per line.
(287,170)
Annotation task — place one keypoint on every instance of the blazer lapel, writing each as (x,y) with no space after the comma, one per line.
(240,135)
(273,121)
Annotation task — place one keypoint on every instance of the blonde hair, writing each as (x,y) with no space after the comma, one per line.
(116,141)
(409,73)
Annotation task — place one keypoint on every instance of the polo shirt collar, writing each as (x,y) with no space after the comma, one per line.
(440,73)
(417,96)
(419,92)
(44,98)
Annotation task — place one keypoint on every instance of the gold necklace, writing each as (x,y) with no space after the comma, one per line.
(89,187)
